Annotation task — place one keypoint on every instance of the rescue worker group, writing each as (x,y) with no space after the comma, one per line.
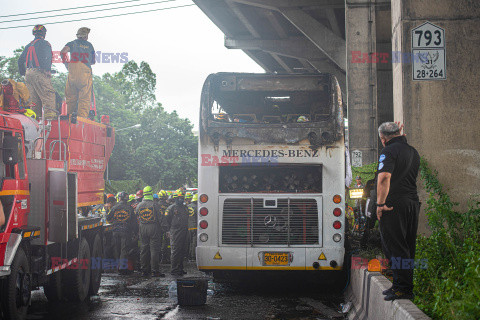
(147,226)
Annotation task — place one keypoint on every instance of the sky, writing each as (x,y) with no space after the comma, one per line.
(181,45)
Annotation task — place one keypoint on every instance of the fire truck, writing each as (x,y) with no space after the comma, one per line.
(50,176)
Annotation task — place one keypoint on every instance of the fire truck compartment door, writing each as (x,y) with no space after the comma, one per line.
(57,204)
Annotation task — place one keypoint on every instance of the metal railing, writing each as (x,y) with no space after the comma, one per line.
(45,127)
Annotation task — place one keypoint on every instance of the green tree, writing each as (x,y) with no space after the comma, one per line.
(9,66)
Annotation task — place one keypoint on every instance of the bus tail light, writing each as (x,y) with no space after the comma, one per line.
(337,199)
(337,224)
(203,224)
(203,198)
(203,237)
(203,211)
(337,237)
(337,212)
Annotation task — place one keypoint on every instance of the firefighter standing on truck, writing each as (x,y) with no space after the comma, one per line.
(35,63)
(192,227)
(150,224)
(177,221)
(78,91)
(123,219)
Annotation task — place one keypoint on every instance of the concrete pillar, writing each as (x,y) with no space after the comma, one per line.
(384,66)
(442,118)
(361,78)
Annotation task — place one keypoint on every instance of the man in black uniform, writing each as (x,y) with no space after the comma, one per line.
(398,207)
(177,221)
(123,220)
(150,224)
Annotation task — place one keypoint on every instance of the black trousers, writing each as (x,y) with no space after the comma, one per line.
(398,230)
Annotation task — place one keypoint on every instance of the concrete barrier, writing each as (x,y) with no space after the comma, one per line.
(365,292)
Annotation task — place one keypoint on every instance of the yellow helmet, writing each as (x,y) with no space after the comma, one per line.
(178,194)
(147,191)
(30,113)
(195,197)
(163,194)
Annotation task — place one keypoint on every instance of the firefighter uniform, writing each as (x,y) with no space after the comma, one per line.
(123,220)
(151,231)
(177,221)
(192,230)
(78,91)
(35,63)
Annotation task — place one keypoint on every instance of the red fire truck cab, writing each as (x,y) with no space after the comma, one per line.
(48,175)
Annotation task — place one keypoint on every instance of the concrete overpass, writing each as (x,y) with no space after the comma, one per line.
(342,37)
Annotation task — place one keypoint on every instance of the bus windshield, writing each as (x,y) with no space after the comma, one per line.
(270,107)
(255,100)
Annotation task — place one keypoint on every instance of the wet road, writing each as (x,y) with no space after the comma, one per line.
(135,297)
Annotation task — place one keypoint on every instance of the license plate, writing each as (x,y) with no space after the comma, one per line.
(275,259)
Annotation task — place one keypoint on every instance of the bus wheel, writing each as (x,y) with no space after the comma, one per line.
(96,274)
(53,288)
(16,291)
(78,280)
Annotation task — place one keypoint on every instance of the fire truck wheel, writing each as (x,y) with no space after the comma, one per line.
(96,275)
(16,289)
(78,280)
(53,288)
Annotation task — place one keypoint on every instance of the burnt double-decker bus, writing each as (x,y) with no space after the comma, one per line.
(271,173)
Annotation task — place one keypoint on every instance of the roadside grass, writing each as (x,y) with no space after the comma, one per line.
(449,288)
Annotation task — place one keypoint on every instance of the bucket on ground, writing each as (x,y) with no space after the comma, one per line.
(192,291)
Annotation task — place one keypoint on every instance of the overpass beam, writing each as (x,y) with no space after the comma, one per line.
(323,38)
(279,4)
(298,48)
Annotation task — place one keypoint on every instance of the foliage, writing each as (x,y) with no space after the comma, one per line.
(450,287)
(161,153)
(9,66)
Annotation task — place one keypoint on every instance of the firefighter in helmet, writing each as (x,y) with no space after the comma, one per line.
(151,230)
(123,219)
(177,221)
(35,63)
(78,91)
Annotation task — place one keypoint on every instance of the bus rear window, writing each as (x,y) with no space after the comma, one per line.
(271,179)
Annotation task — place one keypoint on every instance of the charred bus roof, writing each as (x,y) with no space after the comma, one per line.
(272,108)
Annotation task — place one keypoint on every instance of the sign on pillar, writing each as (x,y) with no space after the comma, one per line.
(356,158)
(428,52)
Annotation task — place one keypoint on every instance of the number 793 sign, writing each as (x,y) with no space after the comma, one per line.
(428,49)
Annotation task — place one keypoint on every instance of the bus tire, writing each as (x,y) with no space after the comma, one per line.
(53,287)
(16,288)
(77,280)
(96,273)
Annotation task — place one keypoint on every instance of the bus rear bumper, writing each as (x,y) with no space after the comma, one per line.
(252,258)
